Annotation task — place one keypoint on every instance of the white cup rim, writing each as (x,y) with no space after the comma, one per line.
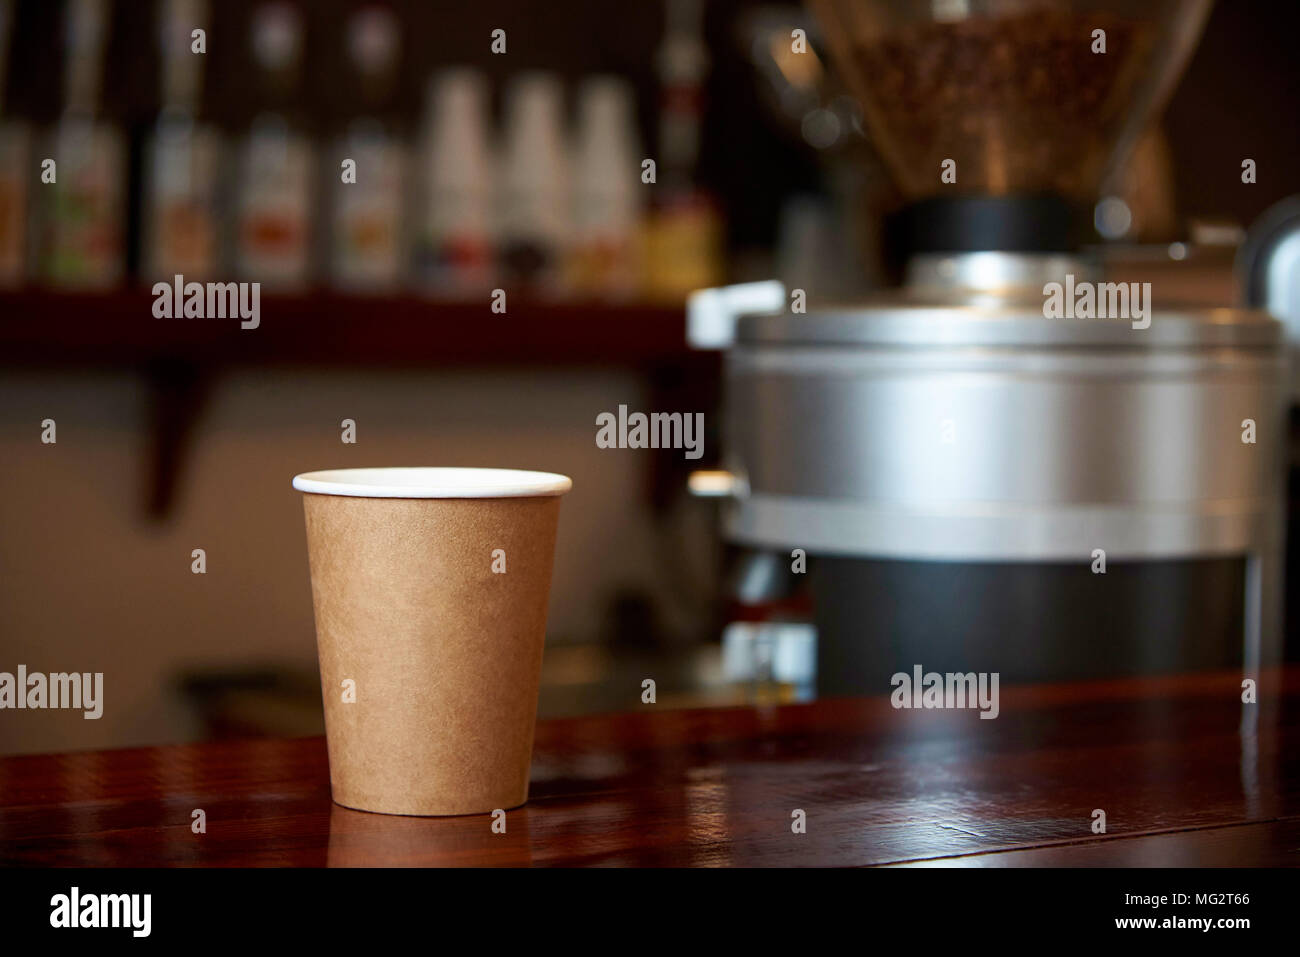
(430,482)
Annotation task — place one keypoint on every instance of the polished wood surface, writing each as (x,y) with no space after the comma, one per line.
(1166,758)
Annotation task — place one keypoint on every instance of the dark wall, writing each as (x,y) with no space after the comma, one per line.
(1240,98)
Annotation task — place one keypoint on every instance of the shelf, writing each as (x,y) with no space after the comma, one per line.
(42,327)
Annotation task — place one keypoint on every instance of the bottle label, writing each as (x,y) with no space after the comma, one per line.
(85,245)
(182,230)
(15,143)
(273,244)
(368,233)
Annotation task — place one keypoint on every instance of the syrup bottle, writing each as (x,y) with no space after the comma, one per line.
(456,238)
(272,242)
(183,158)
(84,246)
(15,171)
(367,232)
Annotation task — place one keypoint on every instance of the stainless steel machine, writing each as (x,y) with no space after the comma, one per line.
(982,480)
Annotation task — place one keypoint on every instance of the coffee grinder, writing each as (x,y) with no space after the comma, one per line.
(982,481)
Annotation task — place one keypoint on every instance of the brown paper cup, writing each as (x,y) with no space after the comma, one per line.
(430,589)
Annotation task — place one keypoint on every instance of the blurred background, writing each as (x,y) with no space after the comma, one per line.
(476,170)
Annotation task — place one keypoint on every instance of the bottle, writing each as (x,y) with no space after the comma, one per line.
(608,193)
(367,234)
(272,242)
(684,234)
(84,247)
(183,157)
(456,238)
(15,171)
(535,212)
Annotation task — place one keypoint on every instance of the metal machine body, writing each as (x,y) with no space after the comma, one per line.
(959,427)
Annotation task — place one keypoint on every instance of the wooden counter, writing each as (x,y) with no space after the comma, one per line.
(1164,758)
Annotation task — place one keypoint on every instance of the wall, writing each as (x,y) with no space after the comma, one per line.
(88,582)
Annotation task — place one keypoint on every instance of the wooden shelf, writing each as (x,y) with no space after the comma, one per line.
(42,327)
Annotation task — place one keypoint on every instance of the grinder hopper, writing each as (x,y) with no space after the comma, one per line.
(1019,93)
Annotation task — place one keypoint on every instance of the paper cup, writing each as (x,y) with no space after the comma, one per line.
(430,588)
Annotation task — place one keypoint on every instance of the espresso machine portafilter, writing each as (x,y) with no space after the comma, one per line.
(983,482)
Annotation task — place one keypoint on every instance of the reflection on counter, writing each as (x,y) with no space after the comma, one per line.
(756,664)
